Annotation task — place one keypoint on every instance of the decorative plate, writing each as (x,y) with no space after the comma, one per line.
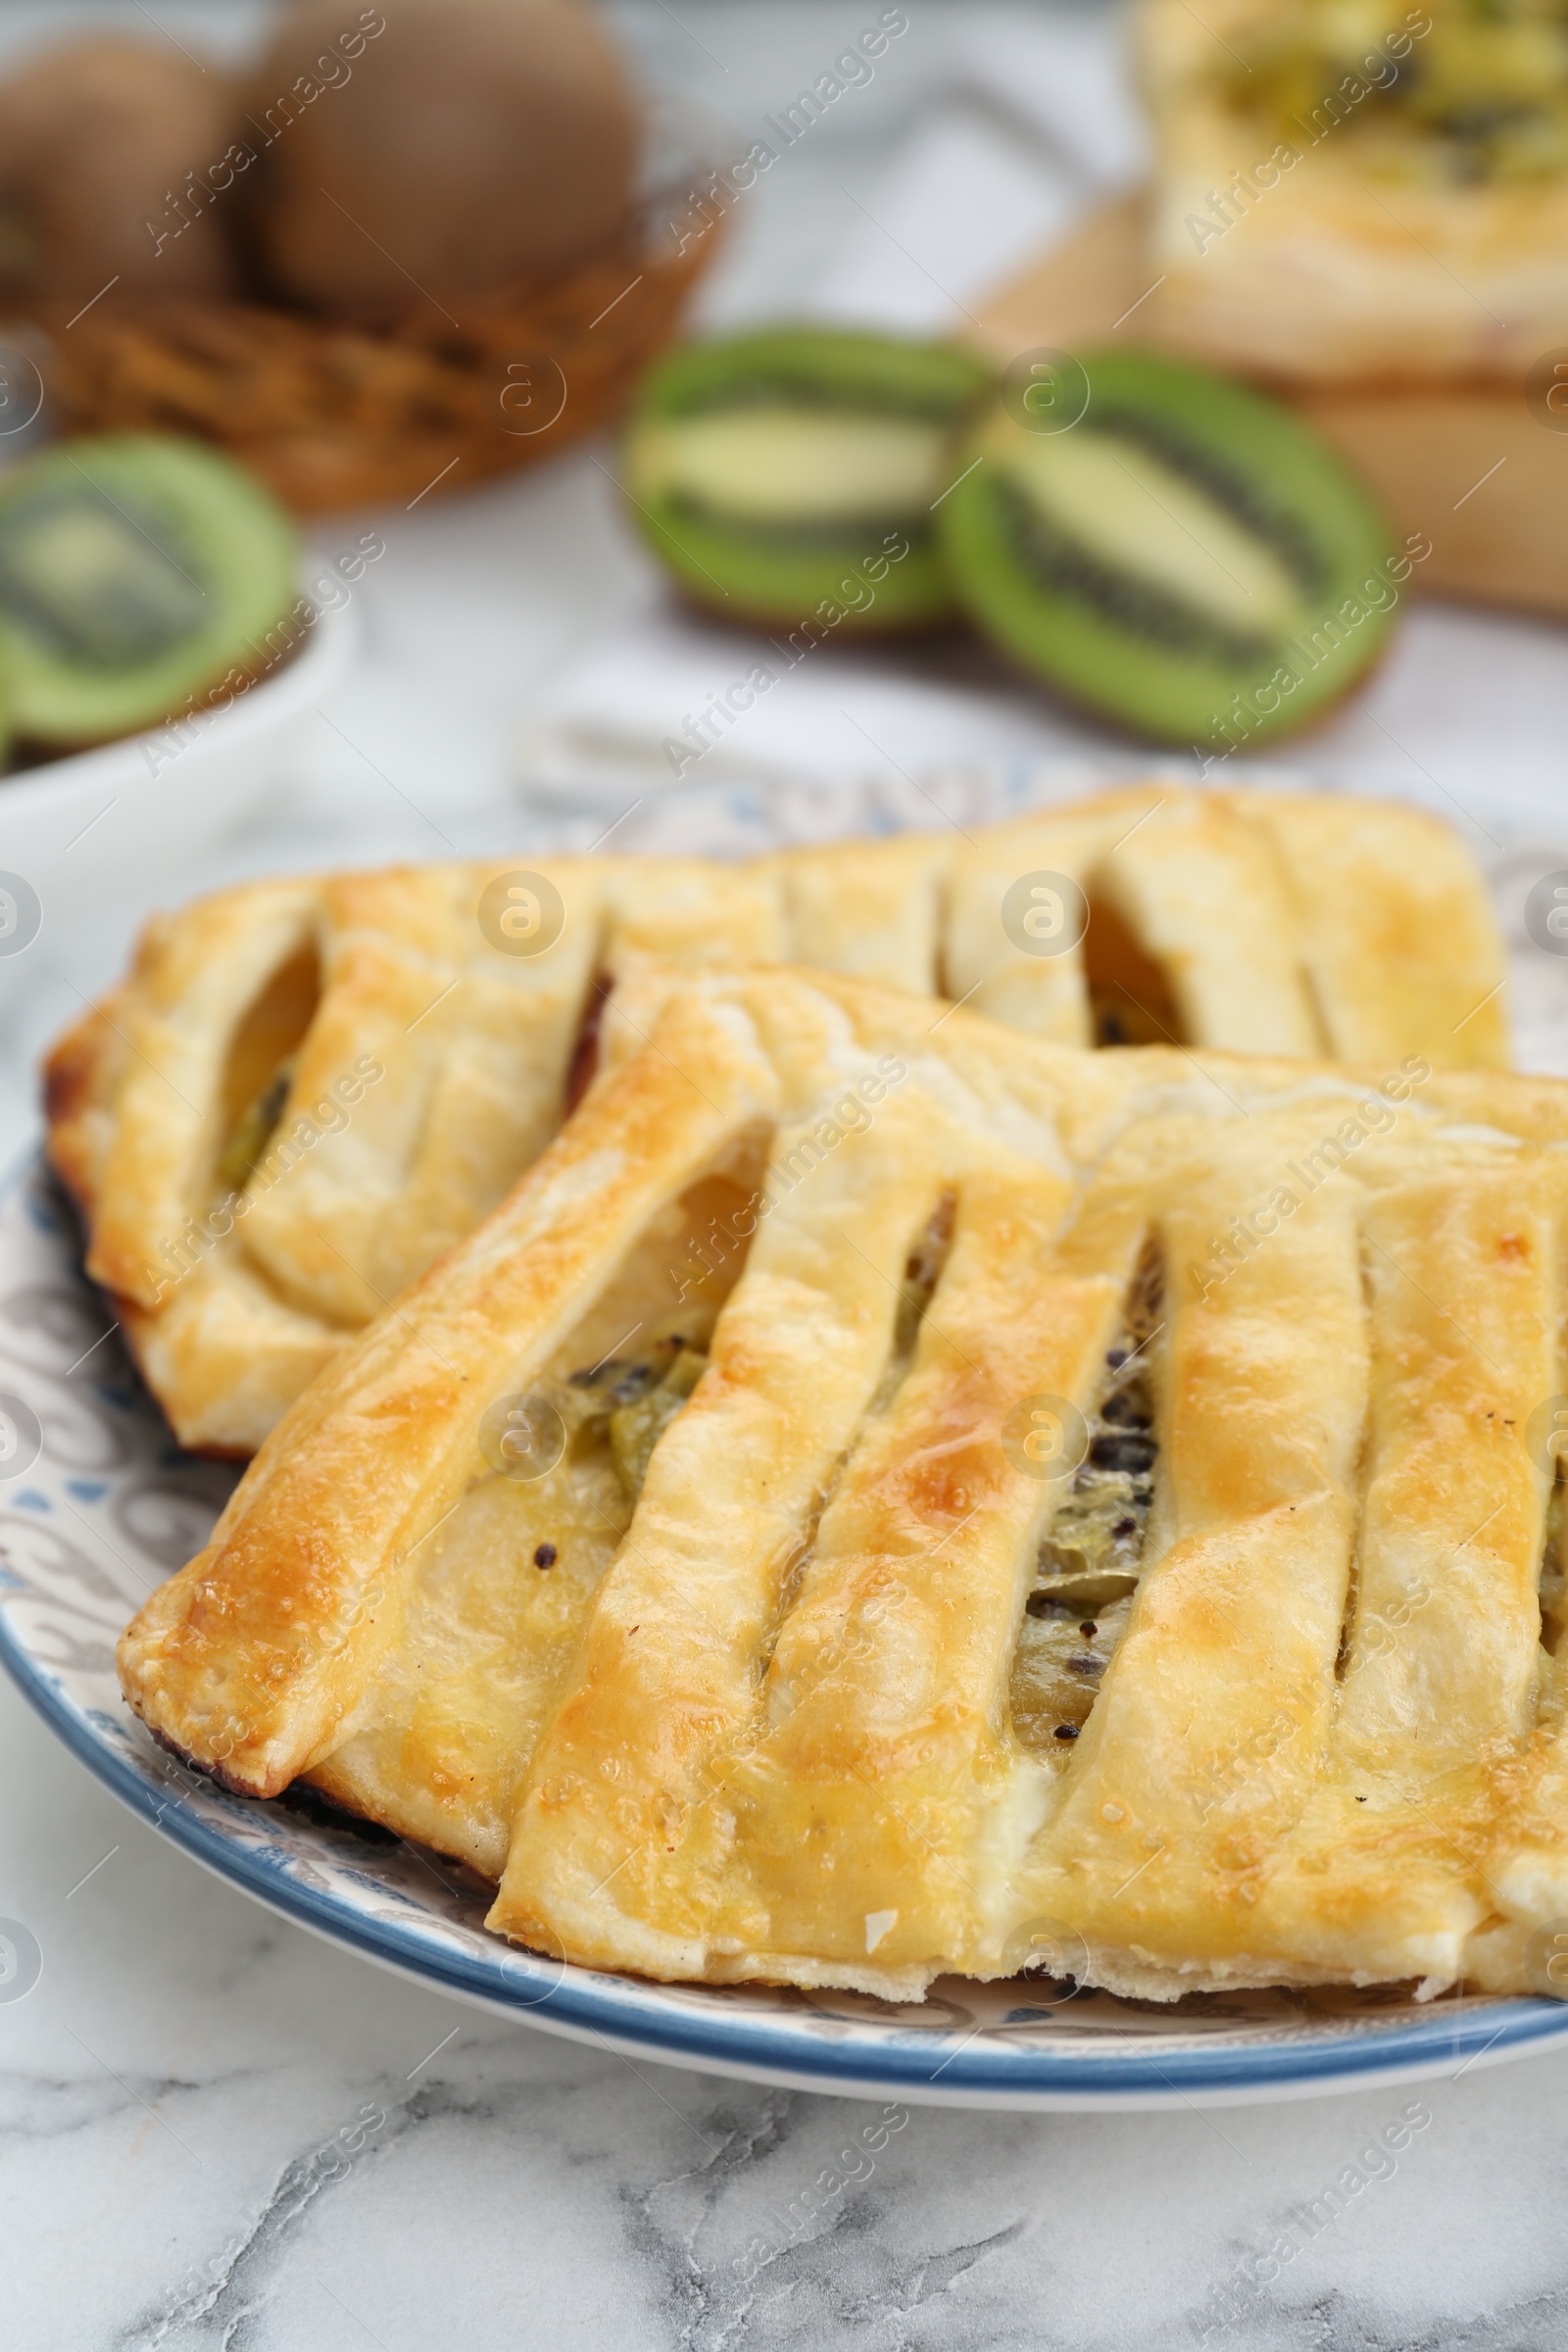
(98,1504)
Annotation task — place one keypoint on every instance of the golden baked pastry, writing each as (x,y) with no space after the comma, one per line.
(306,1091)
(1345,193)
(883,1495)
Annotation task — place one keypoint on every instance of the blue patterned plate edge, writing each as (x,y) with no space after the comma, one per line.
(937,2065)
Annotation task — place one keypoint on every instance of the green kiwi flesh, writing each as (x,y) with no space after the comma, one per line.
(136,571)
(786,471)
(1188,558)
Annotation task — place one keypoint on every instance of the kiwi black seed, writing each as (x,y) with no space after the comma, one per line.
(462,146)
(107,149)
(136,571)
(778,471)
(1187,557)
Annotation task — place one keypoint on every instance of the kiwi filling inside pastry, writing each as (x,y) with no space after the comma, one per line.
(629,1403)
(1553,1570)
(1131,1001)
(1482,96)
(922,1271)
(1091,1559)
(503,1586)
(254,1130)
(260,1067)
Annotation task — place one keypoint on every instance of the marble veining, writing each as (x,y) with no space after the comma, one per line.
(220,2135)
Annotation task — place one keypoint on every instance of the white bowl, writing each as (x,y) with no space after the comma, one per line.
(146,801)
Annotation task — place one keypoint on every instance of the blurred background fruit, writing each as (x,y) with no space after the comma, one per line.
(790,475)
(1170,549)
(98,140)
(138,576)
(478,142)
(396,249)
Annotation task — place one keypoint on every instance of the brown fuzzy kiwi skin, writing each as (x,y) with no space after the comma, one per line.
(96,136)
(473,144)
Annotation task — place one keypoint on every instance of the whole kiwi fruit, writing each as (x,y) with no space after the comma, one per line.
(108,148)
(463,144)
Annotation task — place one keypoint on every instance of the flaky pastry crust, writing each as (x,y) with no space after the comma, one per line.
(424,1064)
(1277,247)
(798,1699)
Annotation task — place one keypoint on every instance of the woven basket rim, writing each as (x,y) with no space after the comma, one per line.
(406,329)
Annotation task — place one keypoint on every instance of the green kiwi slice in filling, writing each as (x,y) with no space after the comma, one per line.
(1476,90)
(1188,557)
(244,1151)
(137,571)
(1091,1560)
(790,475)
(630,1402)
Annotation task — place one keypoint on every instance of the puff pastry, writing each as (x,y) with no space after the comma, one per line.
(1344,194)
(856,1670)
(306,1091)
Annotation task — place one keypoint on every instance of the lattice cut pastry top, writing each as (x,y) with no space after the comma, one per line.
(1011,1498)
(305,1091)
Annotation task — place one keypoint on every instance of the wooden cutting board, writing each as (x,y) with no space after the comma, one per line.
(1475,467)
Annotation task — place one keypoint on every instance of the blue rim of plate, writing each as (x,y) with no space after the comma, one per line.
(623,2013)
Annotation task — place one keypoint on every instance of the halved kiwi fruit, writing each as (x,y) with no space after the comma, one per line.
(136,572)
(1186,558)
(780,471)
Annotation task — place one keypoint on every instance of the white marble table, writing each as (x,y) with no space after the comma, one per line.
(216,2132)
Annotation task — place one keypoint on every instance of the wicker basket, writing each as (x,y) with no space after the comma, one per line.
(336,415)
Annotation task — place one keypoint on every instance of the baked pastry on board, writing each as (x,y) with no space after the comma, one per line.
(1351,195)
(306,1091)
(884,1495)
